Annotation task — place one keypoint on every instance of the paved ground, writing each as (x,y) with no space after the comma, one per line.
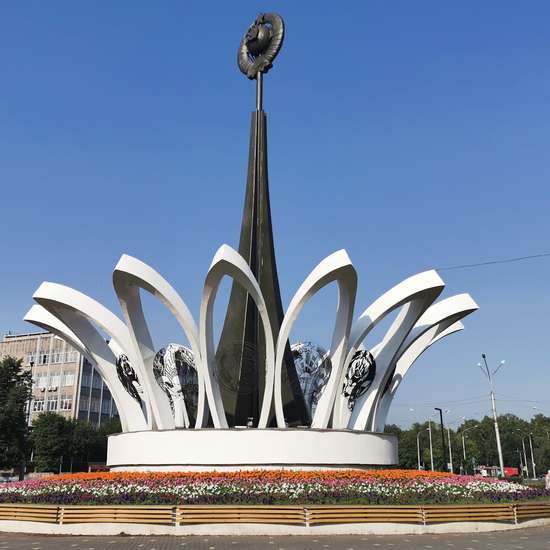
(524,539)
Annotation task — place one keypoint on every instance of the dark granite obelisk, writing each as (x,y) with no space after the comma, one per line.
(241,349)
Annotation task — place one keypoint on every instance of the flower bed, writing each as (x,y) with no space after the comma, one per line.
(267,487)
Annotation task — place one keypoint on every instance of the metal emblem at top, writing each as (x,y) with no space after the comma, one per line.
(260,45)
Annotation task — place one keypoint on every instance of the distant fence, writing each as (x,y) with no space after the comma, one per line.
(275,515)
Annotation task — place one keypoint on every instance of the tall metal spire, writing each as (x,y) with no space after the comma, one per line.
(241,350)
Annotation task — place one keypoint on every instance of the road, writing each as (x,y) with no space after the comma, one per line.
(523,539)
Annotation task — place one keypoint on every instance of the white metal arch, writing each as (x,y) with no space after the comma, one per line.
(334,268)
(58,299)
(129,276)
(429,328)
(229,262)
(413,295)
(90,343)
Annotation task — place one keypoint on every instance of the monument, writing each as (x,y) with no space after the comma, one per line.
(255,401)
(240,353)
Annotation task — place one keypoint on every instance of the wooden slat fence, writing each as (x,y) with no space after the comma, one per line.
(159,515)
(282,515)
(29,512)
(479,512)
(532,510)
(319,515)
(275,515)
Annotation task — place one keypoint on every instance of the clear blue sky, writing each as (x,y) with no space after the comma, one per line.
(413,134)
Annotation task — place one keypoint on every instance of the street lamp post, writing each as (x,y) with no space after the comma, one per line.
(532,456)
(418,449)
(450,449)
(431,446)
(442,437)
(525,456)
(464,443)
(489,375)
(525,470)
(418,446)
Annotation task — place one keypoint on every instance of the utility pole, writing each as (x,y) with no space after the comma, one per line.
(532,456)
(418,448)
(525,467)
(445,467)
(431,446)
(464,444)
(489,376)
(450,449)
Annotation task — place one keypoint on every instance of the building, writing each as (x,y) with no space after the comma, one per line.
(64,381)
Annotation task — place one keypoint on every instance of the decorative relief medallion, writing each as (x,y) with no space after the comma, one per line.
(261,44)
(128,377)
(359,376)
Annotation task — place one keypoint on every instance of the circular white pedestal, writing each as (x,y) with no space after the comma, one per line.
(233,449)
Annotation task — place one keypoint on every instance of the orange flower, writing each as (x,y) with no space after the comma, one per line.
(258,475)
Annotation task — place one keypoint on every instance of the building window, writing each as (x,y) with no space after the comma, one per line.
(84,402)
(66,403)
(86,379)
(105,406)
(42,380)
(72,357)
(94,405)
(38,405)
(68,379)
(30,359)
(52,403)
(97,380)
(55,379)
(43,359)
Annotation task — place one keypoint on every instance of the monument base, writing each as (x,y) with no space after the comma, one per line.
(237,449)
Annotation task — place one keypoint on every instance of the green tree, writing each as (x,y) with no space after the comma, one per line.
(82,441)
(479,443)
(540,429)
(112,426)
(75,442)
(15,394)
(52,440)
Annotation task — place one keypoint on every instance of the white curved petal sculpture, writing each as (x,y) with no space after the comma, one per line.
(455,327)
(387,399)
(414,295)
(229,262)
(334,268)
(129,276)
(80,313)
(42,318)
(429,328)
(88,341)
(370,380)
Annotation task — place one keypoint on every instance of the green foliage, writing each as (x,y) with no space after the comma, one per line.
(52,439)
(479,443)
(59,442)
(15,392)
